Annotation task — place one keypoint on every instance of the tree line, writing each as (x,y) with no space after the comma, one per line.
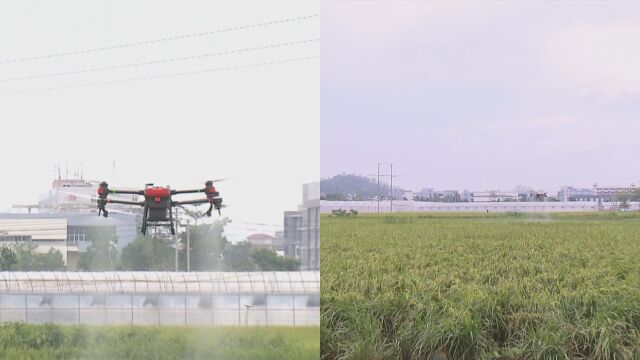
(209,251)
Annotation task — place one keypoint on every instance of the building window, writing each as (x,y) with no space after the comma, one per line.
(76,235)
(15,238)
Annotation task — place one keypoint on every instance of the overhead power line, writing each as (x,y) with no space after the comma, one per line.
(154,41)
(163,76)
(161,61)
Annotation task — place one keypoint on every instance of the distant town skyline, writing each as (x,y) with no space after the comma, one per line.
(482,95)
(384,180)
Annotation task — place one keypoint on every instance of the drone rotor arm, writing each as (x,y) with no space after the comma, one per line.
(131,192)
(175,192)
(190,202)
(139,203)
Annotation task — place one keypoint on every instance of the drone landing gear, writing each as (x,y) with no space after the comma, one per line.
(171,227)
(144,221)
(215,203)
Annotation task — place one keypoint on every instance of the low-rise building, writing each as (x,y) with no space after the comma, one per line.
(611,192)
(68,232)
(261,240)
(426,194)
(278,242)
(570,193)
(494,196)
(44,233)
(302,229)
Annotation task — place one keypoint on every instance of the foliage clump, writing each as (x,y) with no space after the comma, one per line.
(344,213)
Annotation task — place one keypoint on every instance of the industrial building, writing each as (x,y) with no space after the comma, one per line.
(65,214)
(570,193)
(611,192)
(67,232)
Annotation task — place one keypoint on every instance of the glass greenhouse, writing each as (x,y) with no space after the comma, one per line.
(162,298)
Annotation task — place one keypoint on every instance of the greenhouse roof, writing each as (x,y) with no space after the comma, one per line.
(302,282)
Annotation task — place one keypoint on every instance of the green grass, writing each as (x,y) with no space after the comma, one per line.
(481,286)
(20,341)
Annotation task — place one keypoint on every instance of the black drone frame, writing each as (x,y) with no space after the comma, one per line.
(158,204)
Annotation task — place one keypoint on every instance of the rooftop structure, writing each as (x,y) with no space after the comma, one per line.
(77,195)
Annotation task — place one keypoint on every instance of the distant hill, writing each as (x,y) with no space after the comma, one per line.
(350,187)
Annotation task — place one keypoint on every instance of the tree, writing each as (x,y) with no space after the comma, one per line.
(624,198)
(269,260)
(28,259)
(7,258)
(207,244)
(237,257)
(148,253)
(355,187)
(51,261)
(102,254)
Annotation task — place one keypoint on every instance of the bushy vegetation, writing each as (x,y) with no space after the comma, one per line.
(351,187)
(481,286)
(20,341)
(24,257)
(342,212)
(209,251)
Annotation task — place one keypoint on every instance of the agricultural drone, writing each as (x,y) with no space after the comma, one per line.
(158,204)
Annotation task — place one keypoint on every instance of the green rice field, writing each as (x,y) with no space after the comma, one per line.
(481,286)
(20,341)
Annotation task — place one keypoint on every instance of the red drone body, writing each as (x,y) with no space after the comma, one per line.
(157,193)
(158,203)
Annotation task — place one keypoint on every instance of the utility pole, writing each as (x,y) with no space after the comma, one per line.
(391,176)
(391,207)
(175,237)
(378,188)
(188,250)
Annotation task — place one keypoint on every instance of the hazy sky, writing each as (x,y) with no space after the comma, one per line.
(257,125)
(482,95)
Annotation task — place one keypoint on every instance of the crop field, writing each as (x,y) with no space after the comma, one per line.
(49,341)
(481,286)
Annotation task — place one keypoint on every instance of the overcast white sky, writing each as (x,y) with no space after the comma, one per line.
(482,94)
(258,126)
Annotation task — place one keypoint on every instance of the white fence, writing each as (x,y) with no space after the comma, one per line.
(421,206)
